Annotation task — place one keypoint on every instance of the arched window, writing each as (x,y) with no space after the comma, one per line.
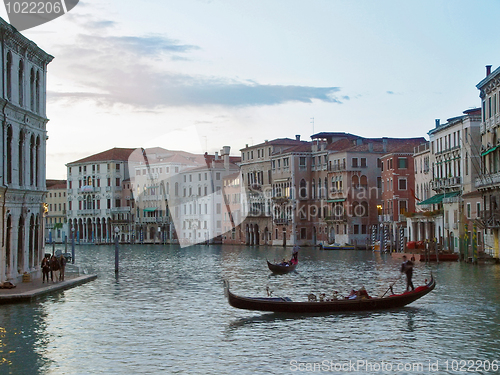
(9,155)
(21,82)
(356,209)
(355,181)
(364,182)
(21,157)
(37,238)
(37,162)
(20,245)
(303,189)
(32,160)
(37,92)
(32,89)
(31,241)
(364,212)
(8,245)
(9,76)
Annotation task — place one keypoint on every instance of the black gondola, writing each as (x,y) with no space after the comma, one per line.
(285,304)
(285,267)
(280,268)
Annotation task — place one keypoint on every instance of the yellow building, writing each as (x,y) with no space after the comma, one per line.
(56,226)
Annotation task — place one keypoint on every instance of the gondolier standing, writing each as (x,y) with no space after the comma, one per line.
(407,268)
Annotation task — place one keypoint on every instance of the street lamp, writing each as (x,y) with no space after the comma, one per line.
(72,244)
(117,230)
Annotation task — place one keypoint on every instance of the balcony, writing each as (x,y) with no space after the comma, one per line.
(281,221)
(336,218)
(449,182)
(385,218)
(491,218)
(89,189)
(87,212)
(337,168)
(119,210)
(487,180)
(148,219)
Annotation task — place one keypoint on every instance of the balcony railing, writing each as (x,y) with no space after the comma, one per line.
(336,218)
(446,183)
(281,221)
(87,212)
(120,209)
(491,218)
(89,189)
(486,180)
(337,167)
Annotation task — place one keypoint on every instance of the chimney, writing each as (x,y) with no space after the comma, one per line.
(437,123)
(370,147)
(297,137)
(225,156)
(216,156)
(488,70)
(384,144)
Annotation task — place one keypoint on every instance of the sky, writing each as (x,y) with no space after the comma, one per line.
(197,75)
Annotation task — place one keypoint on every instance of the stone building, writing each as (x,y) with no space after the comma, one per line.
(488,182)
(23,150)
(95,197)
(56,223)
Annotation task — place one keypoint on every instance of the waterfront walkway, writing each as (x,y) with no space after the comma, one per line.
(29,291)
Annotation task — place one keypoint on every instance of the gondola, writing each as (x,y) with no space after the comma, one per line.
(286,305)
(281,269)
(285,267)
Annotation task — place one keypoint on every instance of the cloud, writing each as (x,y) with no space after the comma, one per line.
(126,70)
(138,45)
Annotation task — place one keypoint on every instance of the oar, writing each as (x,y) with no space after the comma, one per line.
(390,286)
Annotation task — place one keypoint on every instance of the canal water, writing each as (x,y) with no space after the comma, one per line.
(166,314)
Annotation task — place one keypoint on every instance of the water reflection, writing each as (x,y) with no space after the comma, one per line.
(166,313)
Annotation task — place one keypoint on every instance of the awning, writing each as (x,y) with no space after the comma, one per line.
(438,198)
(149,209)
(490,150)
(335,200)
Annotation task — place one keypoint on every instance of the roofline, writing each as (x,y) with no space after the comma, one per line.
(488,78)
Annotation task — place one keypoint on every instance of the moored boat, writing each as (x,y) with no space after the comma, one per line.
(285,304)
(337,246)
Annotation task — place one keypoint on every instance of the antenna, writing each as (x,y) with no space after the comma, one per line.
(206,146)
(312,122)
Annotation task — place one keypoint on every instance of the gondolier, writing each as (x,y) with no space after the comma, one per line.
(407,269)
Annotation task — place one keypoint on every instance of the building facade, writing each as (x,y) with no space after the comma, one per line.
(23,150)
(488,182)
(455,165)
(56,223)
(96,204)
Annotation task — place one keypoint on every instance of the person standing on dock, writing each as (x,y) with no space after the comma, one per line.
(407,268)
